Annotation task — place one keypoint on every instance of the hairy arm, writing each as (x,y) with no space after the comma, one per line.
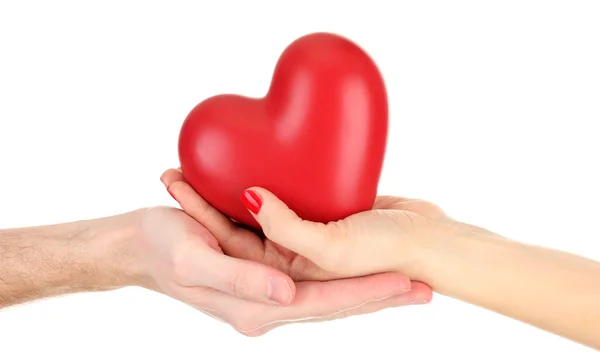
(46,261)
(553,290)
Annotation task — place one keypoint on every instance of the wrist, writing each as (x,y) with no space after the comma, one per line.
(114,250)
(443,240)
(82,256)
(454,247)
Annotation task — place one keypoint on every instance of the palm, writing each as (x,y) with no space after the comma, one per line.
(238,242)
(390,216)
(296,266)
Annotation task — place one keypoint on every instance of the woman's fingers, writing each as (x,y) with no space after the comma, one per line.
(280,224)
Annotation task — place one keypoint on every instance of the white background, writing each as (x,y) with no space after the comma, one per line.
(494,113)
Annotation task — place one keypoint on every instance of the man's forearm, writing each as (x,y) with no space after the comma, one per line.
(553,290)
(46,261)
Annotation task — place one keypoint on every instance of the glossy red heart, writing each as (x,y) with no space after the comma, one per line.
(316,140)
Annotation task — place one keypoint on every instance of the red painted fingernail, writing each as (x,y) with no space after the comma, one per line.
(252,201)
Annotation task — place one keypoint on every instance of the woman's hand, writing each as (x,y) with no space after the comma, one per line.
(398,234)
(553,290)
(313,300)
(305,251)
(202,258)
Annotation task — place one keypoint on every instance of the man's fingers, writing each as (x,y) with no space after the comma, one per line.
(314,300)
(242,278)
(317,301)
(417,296)
(170,176)
(281,225)
(234,241)
(195,206)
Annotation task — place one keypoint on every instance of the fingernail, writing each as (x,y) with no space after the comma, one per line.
(279,291)
(419,301)
(252,201)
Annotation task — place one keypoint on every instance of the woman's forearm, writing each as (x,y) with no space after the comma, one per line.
(46,261)
(555,291)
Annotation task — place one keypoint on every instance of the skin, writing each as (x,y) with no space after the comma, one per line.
(165,250)
(552,290)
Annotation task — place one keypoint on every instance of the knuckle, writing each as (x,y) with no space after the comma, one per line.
(235,284)
(273,223)
(269,226)
(181,274)
(332,253)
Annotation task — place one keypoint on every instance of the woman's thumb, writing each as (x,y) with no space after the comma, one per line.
(283,226)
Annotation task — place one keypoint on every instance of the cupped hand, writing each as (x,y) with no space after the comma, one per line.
(184,260)
(331,299)
(240,242)
(397,235)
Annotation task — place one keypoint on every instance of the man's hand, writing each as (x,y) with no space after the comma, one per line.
(325,300)
(242,243)
(166,250)
(185,261)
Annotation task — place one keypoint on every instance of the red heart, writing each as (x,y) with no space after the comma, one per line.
(316,140)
